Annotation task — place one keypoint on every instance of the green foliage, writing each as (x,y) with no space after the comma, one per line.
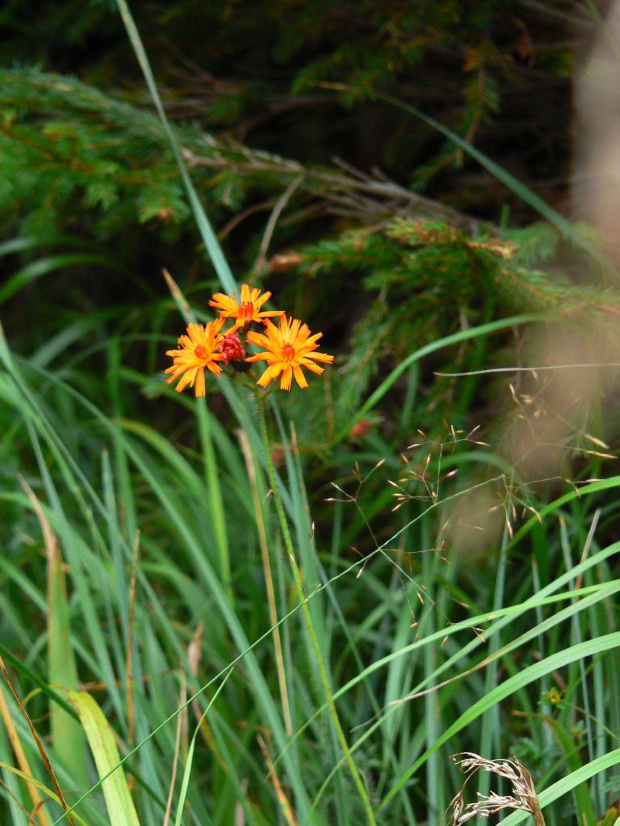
(75,159)
(461,59)
(487,52)
(472,619)
(407,35)
(69,152)
(428,279)
(304,645)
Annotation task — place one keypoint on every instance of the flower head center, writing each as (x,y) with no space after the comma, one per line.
(246,311)
(200,352)
(288,352)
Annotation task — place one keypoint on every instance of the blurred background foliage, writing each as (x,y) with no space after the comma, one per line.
(277,106)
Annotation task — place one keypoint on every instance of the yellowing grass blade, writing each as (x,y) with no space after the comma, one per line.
(67,734)
(32,781)
(22,760)
(121,809)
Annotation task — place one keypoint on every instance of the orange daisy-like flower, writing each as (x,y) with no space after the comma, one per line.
(198,351)
(245,311)
(289,347)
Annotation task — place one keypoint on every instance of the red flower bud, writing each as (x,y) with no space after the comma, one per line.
(231,348)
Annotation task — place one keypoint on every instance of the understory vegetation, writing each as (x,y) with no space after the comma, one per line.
(298,607)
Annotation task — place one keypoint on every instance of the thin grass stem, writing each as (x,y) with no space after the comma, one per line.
(288,543)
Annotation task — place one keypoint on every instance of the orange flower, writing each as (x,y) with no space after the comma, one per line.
(247,310)
(198,351)
(289,347)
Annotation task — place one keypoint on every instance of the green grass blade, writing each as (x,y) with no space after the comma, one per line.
(455,338)
(190,754)
(44,266)
(571,753)
(121,809)
(210,240)
(67,734)
(528,675)
(567,784)
(45,789)
(567,229)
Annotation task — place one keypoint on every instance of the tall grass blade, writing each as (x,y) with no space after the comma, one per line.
(418,355)
(47,265)
(121,809)
(67,735)
(568,783)
(565,227)
(22,759)
(509,686)
(49,793)
(204,225)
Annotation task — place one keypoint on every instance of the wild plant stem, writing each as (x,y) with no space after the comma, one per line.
(288,544)
(271,597)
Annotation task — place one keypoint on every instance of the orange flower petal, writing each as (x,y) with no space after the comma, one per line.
(247,309)
(287,348)
(197,352)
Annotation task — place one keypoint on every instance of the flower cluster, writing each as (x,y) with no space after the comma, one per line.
(287,348)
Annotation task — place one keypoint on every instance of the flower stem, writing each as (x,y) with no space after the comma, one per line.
(271,597)
(288,543)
